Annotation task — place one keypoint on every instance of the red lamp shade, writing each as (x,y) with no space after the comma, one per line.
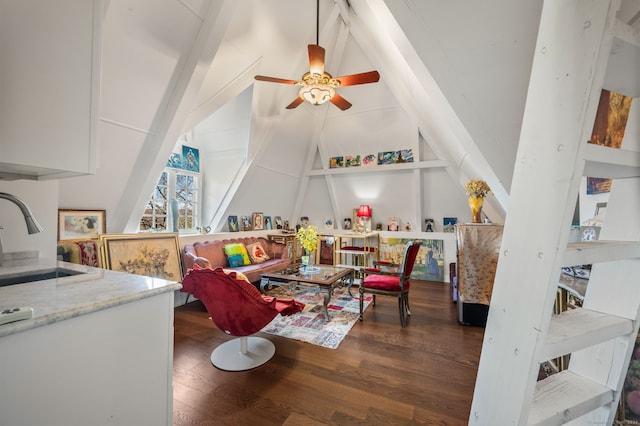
(364,211)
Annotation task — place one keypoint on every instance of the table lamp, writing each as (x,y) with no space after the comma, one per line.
(364,212)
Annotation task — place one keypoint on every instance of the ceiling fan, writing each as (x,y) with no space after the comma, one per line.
(317,85)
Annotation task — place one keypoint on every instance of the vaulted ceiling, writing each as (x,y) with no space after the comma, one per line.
(454,74)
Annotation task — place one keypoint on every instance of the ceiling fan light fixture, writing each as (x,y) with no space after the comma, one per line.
(317,94)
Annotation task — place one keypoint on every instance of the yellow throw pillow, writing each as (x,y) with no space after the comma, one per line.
(237,255)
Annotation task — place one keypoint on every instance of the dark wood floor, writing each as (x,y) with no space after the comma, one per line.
(380,373)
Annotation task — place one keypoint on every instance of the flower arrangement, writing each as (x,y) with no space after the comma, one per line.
(308,237)
(477,188)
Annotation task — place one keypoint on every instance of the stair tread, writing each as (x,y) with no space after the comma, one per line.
(579,328)
(606,162)
(586,253)
(565,396)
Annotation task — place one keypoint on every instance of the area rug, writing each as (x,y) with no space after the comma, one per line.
(310,325)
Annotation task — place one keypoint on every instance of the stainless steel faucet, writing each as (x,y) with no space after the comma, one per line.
(33,227)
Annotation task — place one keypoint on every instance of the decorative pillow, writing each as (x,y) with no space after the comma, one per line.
(237,255)
(257,253)
(238,275)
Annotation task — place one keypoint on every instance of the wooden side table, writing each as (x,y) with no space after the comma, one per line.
(292,244)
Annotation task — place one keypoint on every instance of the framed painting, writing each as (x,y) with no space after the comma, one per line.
(268,224)
(175,161)
(278,221)
(81,224)
(232,222)
(258,221)
(449,224)
(152,255)
(190,159)
(246,223)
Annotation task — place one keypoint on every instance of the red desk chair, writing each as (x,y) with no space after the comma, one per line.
(238,309)
(391,279)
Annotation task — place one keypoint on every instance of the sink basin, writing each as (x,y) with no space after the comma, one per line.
(43,274)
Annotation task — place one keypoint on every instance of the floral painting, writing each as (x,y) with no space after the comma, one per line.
(153,255)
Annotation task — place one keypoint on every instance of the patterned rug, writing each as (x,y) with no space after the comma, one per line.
(310,325)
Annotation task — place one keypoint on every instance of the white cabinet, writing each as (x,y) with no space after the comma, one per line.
(49,87)
(112,366)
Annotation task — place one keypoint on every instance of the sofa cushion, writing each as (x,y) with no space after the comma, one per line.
(237,255)
(257,253)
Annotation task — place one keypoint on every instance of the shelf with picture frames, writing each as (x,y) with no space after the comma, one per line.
(356,250)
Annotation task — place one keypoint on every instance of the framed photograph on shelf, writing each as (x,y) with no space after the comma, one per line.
(279,224)
(81,224)
(449,224)
(335,162)
(393,223)
(153,255)
(328,223)
(232,222)
(268,224)
(246,223)
(258,221)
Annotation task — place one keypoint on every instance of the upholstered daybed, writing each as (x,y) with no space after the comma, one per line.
(262,256)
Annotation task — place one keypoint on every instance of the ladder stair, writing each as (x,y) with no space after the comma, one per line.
(580,396)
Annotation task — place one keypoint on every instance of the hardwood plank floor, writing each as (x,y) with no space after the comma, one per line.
(380,374)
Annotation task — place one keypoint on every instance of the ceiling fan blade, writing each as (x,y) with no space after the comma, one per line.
(340,102)
(274,79)
(362,78)
(316,59)
(297,101)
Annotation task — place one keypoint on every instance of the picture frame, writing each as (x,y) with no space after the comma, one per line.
(257,221)
(232,222)
(154,255)
(336,162)
(328,223)
(278,222)
(175,160)
(268,224)
(393,223)
(324,253)
(246,223)
(75,224)
(190,159)
(449,224)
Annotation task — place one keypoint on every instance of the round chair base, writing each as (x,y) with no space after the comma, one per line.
(231,356)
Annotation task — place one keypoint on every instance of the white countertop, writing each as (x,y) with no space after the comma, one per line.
(59,299)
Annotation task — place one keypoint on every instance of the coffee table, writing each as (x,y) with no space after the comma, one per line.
(323,281)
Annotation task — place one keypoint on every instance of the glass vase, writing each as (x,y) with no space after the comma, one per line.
(475,204)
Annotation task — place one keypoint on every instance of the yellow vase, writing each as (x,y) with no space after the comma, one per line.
(475,204)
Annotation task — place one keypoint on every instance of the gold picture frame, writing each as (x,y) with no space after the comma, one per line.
(152,255)
(74,224)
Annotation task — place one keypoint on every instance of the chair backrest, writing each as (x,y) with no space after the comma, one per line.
(409,255)
(235,305)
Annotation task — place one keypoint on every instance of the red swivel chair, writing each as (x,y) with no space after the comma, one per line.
(238,309)
(391,279)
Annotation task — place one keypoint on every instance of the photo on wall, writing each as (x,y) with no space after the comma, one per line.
(190,159)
